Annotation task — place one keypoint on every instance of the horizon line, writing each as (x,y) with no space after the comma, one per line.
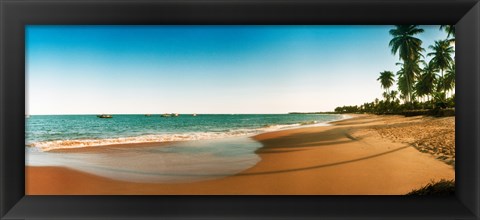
(177,113)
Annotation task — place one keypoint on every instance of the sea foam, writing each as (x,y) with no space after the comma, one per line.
(167,137)
(179,162)
(153,138)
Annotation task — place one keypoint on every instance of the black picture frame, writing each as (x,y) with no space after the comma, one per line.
(15,14)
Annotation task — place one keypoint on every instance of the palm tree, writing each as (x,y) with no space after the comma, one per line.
(426,84)
(402,86)
(442,58)
(386,80)
(450,77)
(408,48)
(393,95)
(386,96)
(409,73)
(450,29)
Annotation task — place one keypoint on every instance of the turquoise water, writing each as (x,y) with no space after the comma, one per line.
(46,132)
(183,161)
(202,147)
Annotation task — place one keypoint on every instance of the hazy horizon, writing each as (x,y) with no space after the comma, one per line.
(81,69)
(160,113)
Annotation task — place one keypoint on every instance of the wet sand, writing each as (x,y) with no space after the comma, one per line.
(365,155)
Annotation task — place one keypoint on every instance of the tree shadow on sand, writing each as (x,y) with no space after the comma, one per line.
(297,141)
(324,165)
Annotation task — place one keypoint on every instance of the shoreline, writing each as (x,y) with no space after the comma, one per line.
(106,147)
(348,158)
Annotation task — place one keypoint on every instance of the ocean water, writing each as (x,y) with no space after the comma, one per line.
(184,161)
(47,132)
(200,148)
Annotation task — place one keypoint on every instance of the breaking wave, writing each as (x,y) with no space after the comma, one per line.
(163,137)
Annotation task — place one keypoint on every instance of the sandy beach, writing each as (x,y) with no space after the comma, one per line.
(365,155)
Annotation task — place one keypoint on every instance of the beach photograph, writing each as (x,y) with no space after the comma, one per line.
(240,110)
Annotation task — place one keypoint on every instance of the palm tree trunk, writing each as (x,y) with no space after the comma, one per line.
(388,94)
(444,88)
(409,94)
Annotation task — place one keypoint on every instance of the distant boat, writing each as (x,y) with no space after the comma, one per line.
(170,115)
(104,116)
(148,115)
(194,115)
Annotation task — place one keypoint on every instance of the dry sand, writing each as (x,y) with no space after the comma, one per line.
(366,155)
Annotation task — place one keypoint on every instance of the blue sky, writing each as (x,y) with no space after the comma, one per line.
(205,69)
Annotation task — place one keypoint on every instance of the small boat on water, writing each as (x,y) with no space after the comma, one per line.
(169,115)
(194,115)
(104,116)
(148,115)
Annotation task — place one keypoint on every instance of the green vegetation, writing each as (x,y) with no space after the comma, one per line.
(386,79)
(441,60)
(440,188)
(450,29)
(409,49)
(422,87)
